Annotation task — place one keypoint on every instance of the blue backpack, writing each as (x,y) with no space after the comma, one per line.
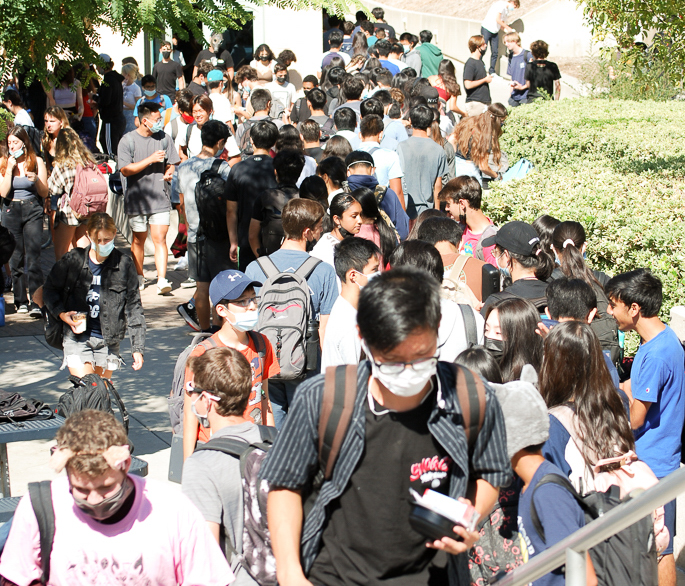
(519,170)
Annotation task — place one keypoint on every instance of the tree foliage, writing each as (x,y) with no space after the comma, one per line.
(37,32)
(622,21)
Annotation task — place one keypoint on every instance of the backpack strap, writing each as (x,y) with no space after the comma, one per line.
(174,129)
(307,267)
(189,132)
(469,324)
(260,346)
(216,165)
(373,150)
(489,231)
(119,402)
(225,445)
(457,268)
(559,481)
(471,396)
(268,267)
(40,494)
(267,433)
(339,394)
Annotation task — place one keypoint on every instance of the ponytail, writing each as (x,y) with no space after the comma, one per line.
(568,239)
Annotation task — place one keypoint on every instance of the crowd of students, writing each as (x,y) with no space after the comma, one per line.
(353,213)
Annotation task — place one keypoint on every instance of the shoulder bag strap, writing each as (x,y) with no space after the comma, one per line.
(469,324)
(340,392)
(471,396)
(40,494)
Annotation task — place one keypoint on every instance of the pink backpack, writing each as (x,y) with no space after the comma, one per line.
(90,193)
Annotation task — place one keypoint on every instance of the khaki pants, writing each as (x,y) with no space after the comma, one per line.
(475,108)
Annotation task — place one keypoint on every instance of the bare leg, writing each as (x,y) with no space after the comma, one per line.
(103,373)
(138,250)
(158,233)
(62,237)
(80,239)
(202,305)
(81,371)
(667,576)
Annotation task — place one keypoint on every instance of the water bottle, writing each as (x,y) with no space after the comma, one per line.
(312,344)
(2,311)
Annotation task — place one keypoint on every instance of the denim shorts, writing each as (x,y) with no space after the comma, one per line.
(80,349)
(141,222)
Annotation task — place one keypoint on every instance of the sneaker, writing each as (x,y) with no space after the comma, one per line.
(23,308)
(182,264)
(188,284)
(163,286)
(189,314)
(141,282)
(35,312)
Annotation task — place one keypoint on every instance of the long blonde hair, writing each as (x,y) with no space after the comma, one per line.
(130,69)
(70,150)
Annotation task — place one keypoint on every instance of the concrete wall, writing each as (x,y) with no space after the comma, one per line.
(558,22)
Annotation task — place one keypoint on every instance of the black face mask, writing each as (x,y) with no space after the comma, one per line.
(166,54)
(495,348)
(344,233)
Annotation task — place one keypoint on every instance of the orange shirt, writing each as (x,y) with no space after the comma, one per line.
(260,372)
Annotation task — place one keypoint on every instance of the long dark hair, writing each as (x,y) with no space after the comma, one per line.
(359,44)
(367,199)
(518,320)
(339,205)
(289,138)
(574,371)
(447,73)
(568,239)
(30,164)
(544,226)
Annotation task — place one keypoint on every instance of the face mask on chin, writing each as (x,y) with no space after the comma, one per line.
(108,507)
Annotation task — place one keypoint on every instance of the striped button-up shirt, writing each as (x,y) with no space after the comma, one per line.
(292,463)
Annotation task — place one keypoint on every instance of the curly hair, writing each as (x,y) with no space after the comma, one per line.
(70,150)
(477,136)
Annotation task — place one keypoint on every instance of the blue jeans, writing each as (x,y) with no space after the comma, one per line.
(491,39)
(281,395)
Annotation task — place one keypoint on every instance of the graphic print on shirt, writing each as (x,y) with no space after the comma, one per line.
(431,472)
(95,571)
(93,297)
(254,404)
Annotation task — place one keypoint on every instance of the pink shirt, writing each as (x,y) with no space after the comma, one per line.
(162,541)
(469,241)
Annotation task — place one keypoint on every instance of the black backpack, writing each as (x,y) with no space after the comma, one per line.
(14,408)
(35,137)
(625,559)
(245,146)
(605,327)
(273,202)
(91,392)
(211,205)
(327,130)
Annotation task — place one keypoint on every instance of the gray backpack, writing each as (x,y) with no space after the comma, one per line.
(489,231)
(256,556)
(286,318)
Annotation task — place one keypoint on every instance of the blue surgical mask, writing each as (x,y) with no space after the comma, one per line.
(203,84)
(505,271)
(103,249)
(406,48)
(18,153)
(150,93)
(157,126)
(244,322)
(556,260)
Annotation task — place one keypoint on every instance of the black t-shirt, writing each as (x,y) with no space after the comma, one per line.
(247,178)
(267,210)
(93,299)
(368,538)
(386,27)
(541,74)
(197,89)
(474,69)
(223,61)
(165,75)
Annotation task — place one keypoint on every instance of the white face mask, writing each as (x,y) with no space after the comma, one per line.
(407,383)
(368,279)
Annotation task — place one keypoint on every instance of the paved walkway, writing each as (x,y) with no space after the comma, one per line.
(31,367)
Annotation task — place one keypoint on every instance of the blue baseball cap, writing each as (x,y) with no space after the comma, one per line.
(215,75)
(229,285)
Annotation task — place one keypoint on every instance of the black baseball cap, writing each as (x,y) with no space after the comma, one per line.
(356,157)
(431,95)
(517,237)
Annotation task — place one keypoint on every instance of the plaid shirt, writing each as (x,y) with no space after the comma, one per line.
(293,460)
(60,184)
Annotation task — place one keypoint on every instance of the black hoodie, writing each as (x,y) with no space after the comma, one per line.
(111,97)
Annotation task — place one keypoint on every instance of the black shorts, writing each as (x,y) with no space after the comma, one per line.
(207,258)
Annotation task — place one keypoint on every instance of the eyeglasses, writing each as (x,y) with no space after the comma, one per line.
(246,302)
(191,389)
(398,367)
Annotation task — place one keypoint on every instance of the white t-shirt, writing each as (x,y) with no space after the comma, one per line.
(324,248)
(223,110)
(163,541)
(341,344)
(387,162)
(283,93)
(181,129)
(452,332)
(500,7)
(22,117)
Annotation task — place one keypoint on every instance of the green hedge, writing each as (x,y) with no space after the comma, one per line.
(617,167)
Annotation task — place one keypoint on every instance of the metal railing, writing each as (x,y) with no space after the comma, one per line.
(572,550)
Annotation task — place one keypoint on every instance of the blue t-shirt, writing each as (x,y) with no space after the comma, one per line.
(559,514)
(658,377)
(393,133)
(160,99)
(391,67)
(322,283)
(517,71)
(93,299)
